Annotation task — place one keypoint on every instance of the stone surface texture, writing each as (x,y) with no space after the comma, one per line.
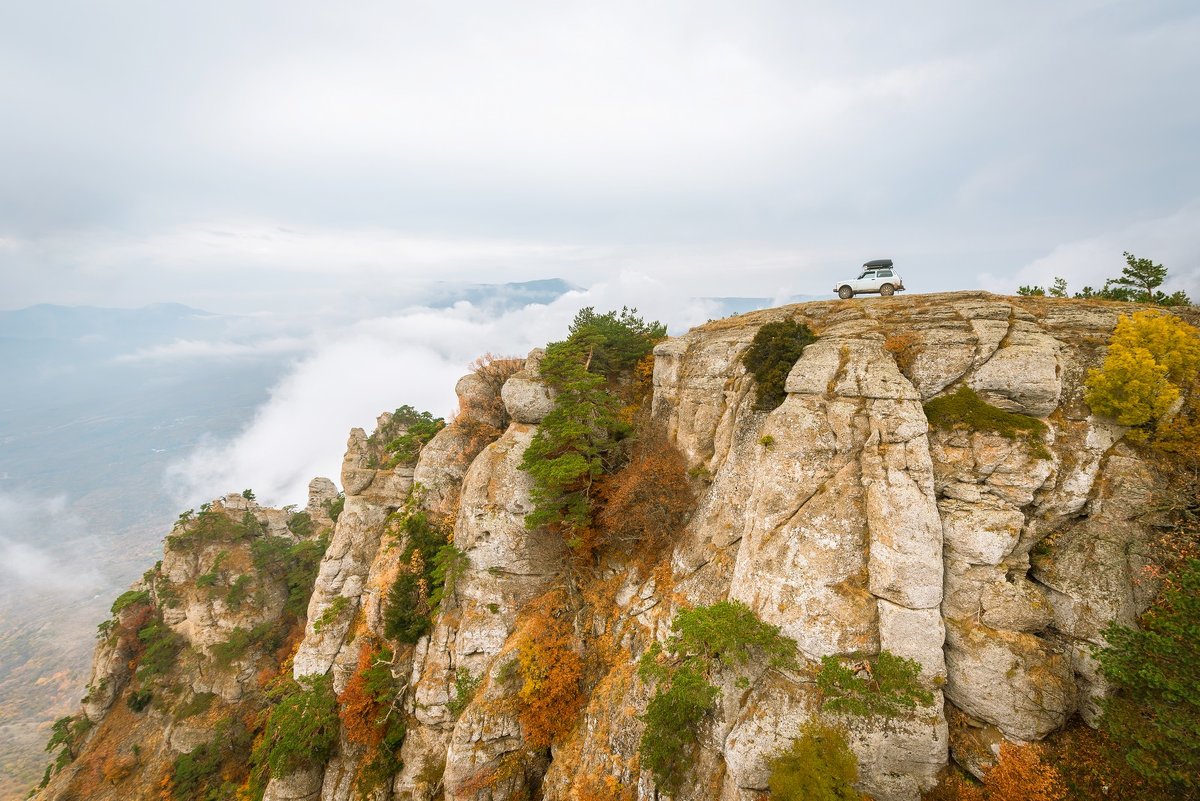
(841,517)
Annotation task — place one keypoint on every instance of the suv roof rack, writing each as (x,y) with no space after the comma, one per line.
(878,263)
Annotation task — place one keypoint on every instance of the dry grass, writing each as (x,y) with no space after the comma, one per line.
(904,348)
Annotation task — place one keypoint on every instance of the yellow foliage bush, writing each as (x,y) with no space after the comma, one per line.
(1173,343)
(1131,387)
(1152,356)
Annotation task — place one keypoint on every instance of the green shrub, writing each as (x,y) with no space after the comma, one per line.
(295,563)
(771,356)
(405,434)
(210,525)
(331,613)
(67,736)
(672,721)
(191,773)
(729,633)
(1154,715)
(449,565)
(819,766)
(130,598)
(410,605)
(890,687)
(197,704)
(566,455)
(139,699)
(726,634)
(964,409)
(615,341)
(238,591)
(199,774)
(335,506)
(162,647)
(465,687)
(300,524)
(267,636)
(302,728)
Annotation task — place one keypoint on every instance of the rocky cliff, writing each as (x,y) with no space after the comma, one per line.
(844,517)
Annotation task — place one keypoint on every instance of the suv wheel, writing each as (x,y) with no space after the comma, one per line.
(845,293)
(887,290)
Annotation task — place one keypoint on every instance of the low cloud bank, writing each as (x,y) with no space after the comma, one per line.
(31,527)
(414,356)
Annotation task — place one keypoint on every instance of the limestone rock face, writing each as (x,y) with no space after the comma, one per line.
(303,785)
(110,670)
(526,397)
(840,516)
(445,459)
(1024,375)
(321,493)
(1016,681)
(193,594)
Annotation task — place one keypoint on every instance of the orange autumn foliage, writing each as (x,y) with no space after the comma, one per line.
(1094,767)
(1021,774)
(646,503)
(357,707)
(550,695)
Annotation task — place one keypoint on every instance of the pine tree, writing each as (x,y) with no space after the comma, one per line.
(1141,276)
(1155,714)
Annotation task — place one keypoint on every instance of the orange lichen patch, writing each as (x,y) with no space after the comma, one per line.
(358,626)
(593,749)
(490,776)
(601,788)
(664,578)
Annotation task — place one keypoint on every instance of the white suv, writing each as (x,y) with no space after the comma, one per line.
(877,276)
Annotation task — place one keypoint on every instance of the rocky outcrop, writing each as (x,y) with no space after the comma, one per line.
(842,517)
(526,398)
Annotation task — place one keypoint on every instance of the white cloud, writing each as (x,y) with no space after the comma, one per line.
(183,349)
(414,357)
(34,555)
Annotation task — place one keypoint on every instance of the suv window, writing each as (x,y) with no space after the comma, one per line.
(884,274)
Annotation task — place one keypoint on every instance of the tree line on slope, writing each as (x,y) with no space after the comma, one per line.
(1139,282)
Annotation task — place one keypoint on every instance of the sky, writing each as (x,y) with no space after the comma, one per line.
(292,157)
(314,168)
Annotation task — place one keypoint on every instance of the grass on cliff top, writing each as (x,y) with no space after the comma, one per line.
(965,409)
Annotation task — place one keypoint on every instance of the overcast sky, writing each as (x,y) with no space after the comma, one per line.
(245,156)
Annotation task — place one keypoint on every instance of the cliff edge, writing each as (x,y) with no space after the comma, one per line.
(413,609)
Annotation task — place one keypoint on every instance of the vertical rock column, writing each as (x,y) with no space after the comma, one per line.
(371,495)
(843,544)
